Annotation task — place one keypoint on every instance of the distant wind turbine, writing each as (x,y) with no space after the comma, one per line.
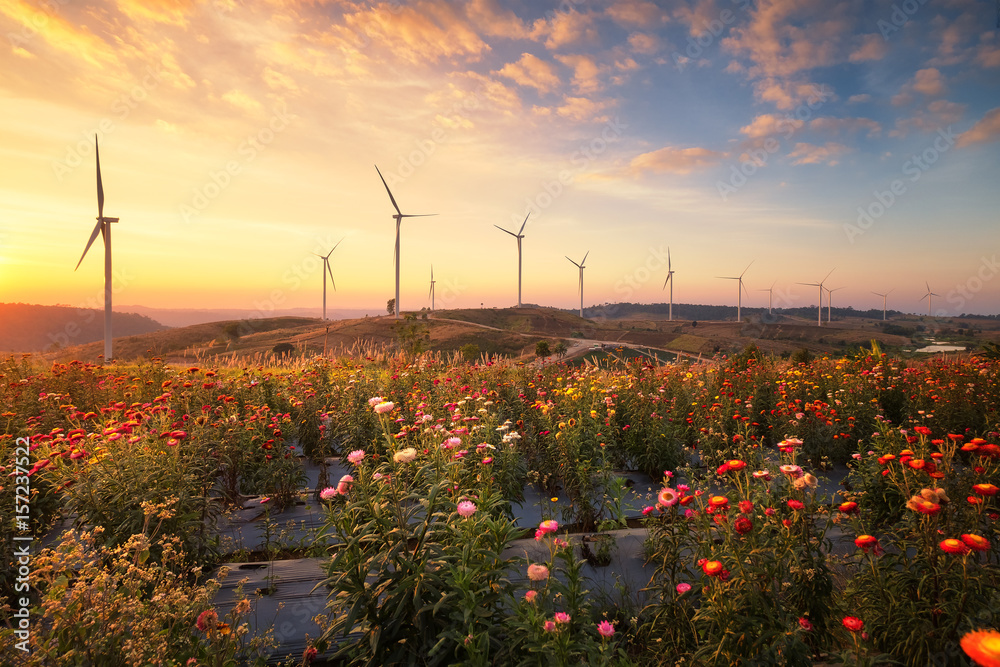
(670,279)
(928,297)
(581,267)
(431,293)
(829,302)
(820,285)
(517,236)
(328,270)
(883,301)
(399,219)
(103,227)
(770,293)
(739,291)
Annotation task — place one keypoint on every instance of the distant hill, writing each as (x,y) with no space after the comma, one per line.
(183,317)
(31,328)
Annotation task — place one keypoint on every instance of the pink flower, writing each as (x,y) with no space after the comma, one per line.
(561,617)
(328,493)
(538,572)
(805,624)
(647,510)
(683,588)
(667,497)
(606,629)
(385,407)
(466,508)
(374,400)
(206,620)
(530,595)
(550,626)
(488,460)
(769,511)
(344,485)
(356,457)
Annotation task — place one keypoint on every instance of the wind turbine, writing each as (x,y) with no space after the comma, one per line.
(399,219)
(739,291)
(883,301)
(328,270)
(670,279)
(103,227)
(517,236)
(581,267)
(431,293)
(820,285)
(770,294)
(928,297)
(829,302)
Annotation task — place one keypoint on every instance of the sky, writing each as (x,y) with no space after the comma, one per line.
(238,139)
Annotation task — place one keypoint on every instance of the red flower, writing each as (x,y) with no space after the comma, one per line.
(976,542)
(805,624)
(853,623)
(746,507)
(736,464)
(922,430)
(743,525)
(795,504)
(866,542)
(712,568)
(954,546)
(849,507)
(985,489)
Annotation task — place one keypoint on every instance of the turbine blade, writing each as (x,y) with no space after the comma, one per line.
(100,188)
(504,230)
(748,267)
(391,198)
(523,224)
(668,260)
(330,271)
(572,262)
(828,275)
(335,247)
(98,229)
(670,274)
(417,215)
(584,260)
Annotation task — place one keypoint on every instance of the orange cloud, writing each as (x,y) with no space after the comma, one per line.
(938,114)
(586,73)
(870,47)
(644,43)
(58,33)
(929,82)
(769,124)
(828,153)
(673,160)
(532,72)
(788,94)
(173,12)
(495,21)
(986,130)
(583,110)
(635,13)
(565,28)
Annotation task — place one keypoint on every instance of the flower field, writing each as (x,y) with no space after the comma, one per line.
(423,543)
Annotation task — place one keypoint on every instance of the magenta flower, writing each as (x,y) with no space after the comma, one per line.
(606,629)
(550,626)
(328,493)
(561,617)
(466,508)
(683,588)
(356,457)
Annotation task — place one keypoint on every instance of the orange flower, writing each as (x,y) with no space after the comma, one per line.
(918,504)
(983,646)
(849,508)
(954,546)
(976,542)
(986,489)
(712,567)
(736,464)
(916,464)
(970,447)
(719,501)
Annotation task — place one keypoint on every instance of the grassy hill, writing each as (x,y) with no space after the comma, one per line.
(32,328)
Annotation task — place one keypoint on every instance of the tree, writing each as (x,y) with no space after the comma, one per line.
(470,352)
(232,330)
(560,349)
(390,306)
(282,349)
(542,349)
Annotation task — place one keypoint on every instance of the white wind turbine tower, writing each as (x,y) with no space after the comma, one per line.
(103,227)
(517,236)
(739,291)
(670,279)
(399,219)
(581,267)
(883,301)
(431,293)
(829,302)
(328,270)
(820,285)
(770,294)
(928,297)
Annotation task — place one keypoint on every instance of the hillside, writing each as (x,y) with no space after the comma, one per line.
(32,328)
